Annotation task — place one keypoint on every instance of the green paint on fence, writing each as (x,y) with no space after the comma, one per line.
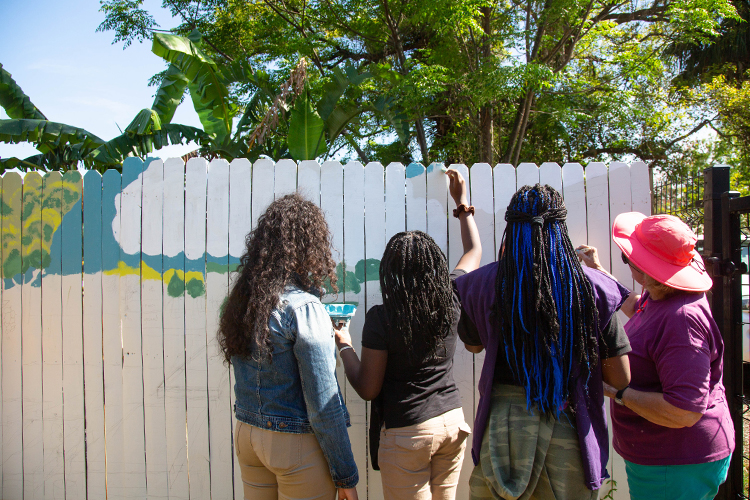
(176,286)
(215,267)
(367,270)
(195,288)
(39,222)
(347,281)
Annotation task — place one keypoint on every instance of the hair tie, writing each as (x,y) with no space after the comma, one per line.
(537,221)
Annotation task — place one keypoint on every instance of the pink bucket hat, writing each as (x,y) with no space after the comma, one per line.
(663,247)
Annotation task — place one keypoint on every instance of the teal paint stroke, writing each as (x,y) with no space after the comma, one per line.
(414,170)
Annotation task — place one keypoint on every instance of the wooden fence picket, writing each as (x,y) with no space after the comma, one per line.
(285,178)
(173,299)
(119,388)
(308,180)
(93,369)
(619,202)
(527,174)
(196,368)
(463,360)
(71,189)
(263,181)
(11,343)
(550,174)
(240,220)
(152,326)
(31,328)
(504,181)
(375,241)
(574,192)
(129,268)
(217,274)
(112,342)
(395,209)
(353,288)
(416,198)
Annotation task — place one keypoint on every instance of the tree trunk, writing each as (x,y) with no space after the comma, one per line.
(485,114)
(522,133)
(521,116)
(402,64)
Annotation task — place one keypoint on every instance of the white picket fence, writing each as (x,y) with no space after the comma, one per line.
(112,382)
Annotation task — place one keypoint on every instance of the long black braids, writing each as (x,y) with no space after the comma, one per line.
(544,303)
(417,294)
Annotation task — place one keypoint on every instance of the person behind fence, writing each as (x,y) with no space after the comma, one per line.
(551,336)
(290,439)
(408,344)
(671,424)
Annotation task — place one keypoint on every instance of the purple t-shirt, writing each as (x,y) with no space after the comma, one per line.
(677,350)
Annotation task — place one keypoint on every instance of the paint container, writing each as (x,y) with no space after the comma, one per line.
(341,312)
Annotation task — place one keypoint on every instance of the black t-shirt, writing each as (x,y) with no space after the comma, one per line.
(614,343)
(413,391)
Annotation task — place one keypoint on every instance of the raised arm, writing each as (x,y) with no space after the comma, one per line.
(590,258)
(469,261)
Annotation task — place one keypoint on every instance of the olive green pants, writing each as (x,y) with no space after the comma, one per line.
(528,456)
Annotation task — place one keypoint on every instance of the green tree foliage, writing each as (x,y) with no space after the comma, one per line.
(64,147)
(571,80)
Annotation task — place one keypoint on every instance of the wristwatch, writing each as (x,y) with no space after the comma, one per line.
(618,395)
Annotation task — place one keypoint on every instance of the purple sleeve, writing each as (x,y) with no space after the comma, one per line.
(683,362)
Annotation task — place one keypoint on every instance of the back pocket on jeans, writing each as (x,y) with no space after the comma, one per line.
(411,453)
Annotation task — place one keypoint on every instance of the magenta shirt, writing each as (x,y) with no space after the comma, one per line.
(677,350)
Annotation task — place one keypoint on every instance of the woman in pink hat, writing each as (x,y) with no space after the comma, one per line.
(671,424)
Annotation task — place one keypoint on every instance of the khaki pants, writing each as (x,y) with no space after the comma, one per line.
(423,461)
(280,465)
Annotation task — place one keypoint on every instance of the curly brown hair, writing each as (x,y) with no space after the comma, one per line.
(291,244)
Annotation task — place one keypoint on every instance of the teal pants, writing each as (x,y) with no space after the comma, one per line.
(676,482)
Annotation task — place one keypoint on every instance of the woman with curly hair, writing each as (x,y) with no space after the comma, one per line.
(291,439)
(408,344)
(551,338)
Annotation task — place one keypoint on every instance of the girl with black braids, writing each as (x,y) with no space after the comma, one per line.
(291,439)
(408,344)
(552,337)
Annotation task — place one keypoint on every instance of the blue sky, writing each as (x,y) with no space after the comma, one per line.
(75,75)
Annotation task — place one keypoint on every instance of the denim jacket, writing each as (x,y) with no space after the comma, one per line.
(298,392)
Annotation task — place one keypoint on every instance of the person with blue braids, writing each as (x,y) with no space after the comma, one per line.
(551,337)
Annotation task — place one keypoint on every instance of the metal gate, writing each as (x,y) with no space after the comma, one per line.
(726,240)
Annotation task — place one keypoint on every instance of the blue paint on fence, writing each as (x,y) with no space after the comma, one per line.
(110,248)
(92,222)
(414,170)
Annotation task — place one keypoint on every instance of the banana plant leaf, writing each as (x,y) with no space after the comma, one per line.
(339,119)
(207,89)
(112,153)
(145,122)
(45,135)
(170,94)
(13,162)
(306,131)
(388,109)
(333,90)
(14,101)
(63,158)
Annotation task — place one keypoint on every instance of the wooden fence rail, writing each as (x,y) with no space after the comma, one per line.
(112,381)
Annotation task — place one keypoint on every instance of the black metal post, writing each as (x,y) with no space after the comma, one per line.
(716,183)
(732,333)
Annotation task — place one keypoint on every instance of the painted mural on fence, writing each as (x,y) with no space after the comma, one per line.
(48,211)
